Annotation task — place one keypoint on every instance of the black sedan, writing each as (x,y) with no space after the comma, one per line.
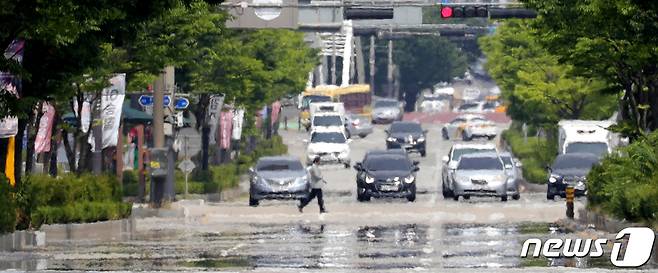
(386,175)
(406,135)
(569,170)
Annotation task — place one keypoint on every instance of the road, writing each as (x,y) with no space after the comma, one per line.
(388,235)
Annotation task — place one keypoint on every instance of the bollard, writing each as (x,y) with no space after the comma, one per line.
(570,191)
(285,123)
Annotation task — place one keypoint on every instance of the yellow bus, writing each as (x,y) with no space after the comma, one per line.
(356,98)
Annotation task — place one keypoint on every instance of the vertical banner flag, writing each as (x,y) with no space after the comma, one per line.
(42,141)
(238,120)
(212,115)
(276,109)
(11,84)
(85,118)
(111,106)
(225,127)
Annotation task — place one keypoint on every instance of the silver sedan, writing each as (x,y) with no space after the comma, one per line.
(278,177)
(357,126)
(480,174)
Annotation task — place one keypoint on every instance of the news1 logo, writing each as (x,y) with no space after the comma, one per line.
(637,250)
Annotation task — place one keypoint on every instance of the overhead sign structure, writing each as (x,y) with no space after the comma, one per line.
(181,103)
(247,14)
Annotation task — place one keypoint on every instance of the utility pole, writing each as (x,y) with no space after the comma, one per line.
(158,111)
(371,61)
(360,64)
(333,61)
(389,75)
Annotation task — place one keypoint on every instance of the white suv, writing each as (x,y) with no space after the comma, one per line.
(330,144)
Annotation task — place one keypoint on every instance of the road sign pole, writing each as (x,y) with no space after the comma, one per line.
(186,174)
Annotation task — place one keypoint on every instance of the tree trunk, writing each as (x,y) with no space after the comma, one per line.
(32,131)
(205,145)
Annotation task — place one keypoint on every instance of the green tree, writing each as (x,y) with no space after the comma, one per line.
(614,40)
(540,90)
(424,61)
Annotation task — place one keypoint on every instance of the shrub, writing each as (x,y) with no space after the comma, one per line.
(626,184)
(7,207)
(82,212)
(535,154)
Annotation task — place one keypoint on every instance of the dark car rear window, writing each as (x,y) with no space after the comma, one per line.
(480,163)
(279,165)
(386,103)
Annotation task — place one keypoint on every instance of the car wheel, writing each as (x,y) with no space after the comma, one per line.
(466,137)
(446,192)
(423,153)
(455,197)
(516,196)
(550,197)
(445,135)
(503,198)
(412,196)
(347,165)
(491,137)
(467,197)
(359,193)
(363,135)
(348,134)
(253,202)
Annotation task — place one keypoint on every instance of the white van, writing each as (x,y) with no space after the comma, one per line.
(586,136)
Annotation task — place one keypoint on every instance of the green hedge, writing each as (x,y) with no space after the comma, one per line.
(69,199)
(535,154)
(7,207)
(626,184)
(82,212)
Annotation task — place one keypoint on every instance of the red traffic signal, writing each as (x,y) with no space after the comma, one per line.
(463,11)
(446,12)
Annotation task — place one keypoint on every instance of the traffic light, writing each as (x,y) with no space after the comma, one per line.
(370,13)
(463,11)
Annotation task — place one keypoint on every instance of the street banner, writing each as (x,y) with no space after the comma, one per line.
(238,120)
(42,141)
(212,115)
(11,85)
(225,128)
(85,119)
(276,109)
(111,106)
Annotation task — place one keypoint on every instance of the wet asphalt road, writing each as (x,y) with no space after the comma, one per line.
(385,235)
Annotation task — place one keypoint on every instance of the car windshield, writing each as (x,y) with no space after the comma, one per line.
(506,160)
(386,103)
(308,99)
(327,121)
(457,153)
(596,148)
(406,127)
(468,106)
(480,163)
(478,120)
(279,165)
(388,164)
(328,137)
(574,162)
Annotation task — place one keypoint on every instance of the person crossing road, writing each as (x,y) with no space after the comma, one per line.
(317,182)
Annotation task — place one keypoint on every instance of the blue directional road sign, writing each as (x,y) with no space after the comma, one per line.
(181,103)
(147,100)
